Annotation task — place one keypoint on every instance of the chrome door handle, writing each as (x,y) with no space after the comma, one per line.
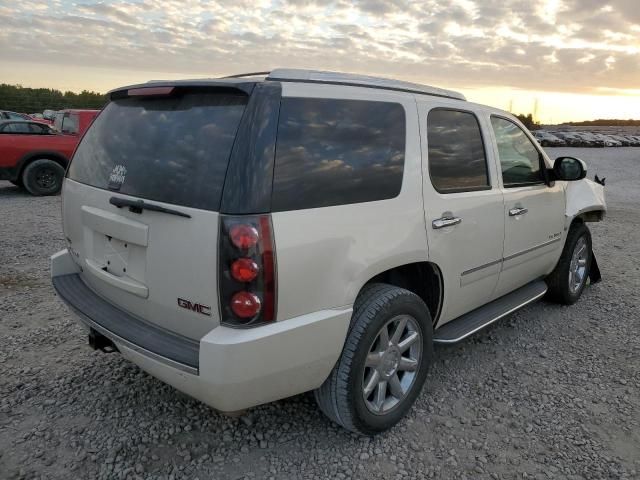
(445,222)
(514,212)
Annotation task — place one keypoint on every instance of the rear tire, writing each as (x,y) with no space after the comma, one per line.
(43,177)
(379,375)
(568,279)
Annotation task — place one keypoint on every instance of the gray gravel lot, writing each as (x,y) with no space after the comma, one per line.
(549,392)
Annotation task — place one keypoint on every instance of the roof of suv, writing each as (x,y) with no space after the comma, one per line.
(318,76)
(310,76)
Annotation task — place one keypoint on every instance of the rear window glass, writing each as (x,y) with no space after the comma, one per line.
(333,152)
(70,123)
(170,149)
(57,121)
(457,160)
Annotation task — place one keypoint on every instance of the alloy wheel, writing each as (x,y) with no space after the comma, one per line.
(392,364)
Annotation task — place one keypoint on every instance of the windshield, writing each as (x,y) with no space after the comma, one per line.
(170,149)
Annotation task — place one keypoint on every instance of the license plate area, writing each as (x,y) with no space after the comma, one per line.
(115,244)
(118,257)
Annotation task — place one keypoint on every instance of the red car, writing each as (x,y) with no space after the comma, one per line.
(34,155)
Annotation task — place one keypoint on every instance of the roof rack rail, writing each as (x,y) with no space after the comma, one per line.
(349,79)
(250,74)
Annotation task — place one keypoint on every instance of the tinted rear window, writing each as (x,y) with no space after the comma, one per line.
(457,160)
(333,152)
(170,149)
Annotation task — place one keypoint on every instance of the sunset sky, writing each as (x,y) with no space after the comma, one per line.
(579,58)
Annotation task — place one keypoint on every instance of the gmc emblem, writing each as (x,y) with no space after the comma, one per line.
(194,307)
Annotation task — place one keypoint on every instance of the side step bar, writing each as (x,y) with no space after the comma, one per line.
(470,323)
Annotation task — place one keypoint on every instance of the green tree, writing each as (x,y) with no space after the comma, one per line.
(31,100)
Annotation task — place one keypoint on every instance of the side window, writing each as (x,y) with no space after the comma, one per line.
(334,152)
(457,161)
(17,128)
(70,123)
(519,158)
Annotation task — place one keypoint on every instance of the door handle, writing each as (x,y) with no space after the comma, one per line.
(514,212)
(445,222)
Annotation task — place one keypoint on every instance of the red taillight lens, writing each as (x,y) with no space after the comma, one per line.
(244,270)
(247,277)
(244,236)
(245,304)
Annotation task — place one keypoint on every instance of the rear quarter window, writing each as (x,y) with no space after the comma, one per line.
(334,152)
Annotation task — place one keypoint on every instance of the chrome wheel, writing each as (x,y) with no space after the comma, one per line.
(578,265)
(392,364)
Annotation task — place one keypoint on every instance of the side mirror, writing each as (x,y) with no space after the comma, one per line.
(569,169)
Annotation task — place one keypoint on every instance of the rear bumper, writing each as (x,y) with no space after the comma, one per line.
(228,369)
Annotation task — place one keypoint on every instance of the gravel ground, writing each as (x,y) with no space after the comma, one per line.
(549,392)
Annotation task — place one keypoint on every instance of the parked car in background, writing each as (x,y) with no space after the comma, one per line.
(25,127)
(39,117)
(571,139)
(34,155)
(8,115)
(249,239)
(73,121)
(634,141)
(589,139)
(49,114)
(607,141)
(623,140)
(547,139)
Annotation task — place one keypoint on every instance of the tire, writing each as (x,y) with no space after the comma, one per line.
(342,397)
(562,288)
(43,177)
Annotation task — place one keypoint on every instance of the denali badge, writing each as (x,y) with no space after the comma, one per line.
(196,307)
(116,179)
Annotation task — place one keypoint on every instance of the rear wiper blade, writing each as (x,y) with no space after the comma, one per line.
(136,206)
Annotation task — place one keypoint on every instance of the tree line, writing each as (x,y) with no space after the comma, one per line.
(35,100)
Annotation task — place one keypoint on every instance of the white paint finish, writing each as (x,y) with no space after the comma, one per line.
(529,250)
(115,225)
(62,263)
(124,283)
(325,255)
(243,368)
(336,77)
(180,259)
(476,241)
(584,196)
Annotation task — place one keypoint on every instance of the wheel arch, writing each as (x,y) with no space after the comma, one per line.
(585,202)
(422,278)
(57,157)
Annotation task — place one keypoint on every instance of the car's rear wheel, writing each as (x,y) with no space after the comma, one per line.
(568,279)
(43,177)
(384,362)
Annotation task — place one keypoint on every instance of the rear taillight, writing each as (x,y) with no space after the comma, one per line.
(247,271)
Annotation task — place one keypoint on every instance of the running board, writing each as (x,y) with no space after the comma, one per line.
(470,323)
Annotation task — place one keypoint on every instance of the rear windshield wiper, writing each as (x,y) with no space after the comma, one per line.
(136,206)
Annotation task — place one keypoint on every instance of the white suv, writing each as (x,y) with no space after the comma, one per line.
(246,239)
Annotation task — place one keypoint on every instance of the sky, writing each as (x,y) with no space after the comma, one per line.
(577,59)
